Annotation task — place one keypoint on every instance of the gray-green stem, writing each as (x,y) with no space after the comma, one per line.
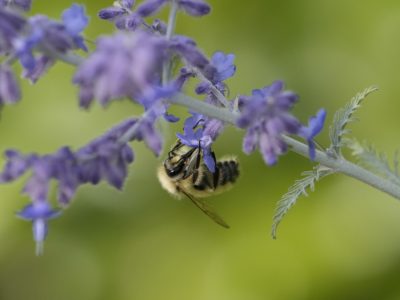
(337,164)
(170,32)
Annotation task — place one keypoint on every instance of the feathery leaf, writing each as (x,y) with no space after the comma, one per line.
(295,191)
(344,116)
(375,161)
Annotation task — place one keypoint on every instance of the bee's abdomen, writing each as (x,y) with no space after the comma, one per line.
(226,172)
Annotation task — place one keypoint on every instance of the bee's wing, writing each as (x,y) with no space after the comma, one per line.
(205,208)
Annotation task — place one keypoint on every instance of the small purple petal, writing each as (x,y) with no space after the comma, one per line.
(39,213)
(74,19)
(170,118)
(159,26)
(38,210)
(150,7)
(315,125)
(188,50)
(9,89)
(195,8)
(209,161)
(42,64)
(16,166)
(18,4)
(203,88)
(127,3)
(110,13)
(250,141)
(224,66)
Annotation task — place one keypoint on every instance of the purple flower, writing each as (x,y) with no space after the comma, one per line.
(75,21)
(196,8)
(39,213)
(200,132)
(220,68)
(315,125)
(11,25)
(9,89)
(266,117)
(103,158)
(159,26)
(124,18)
(110,13)
(223,65)
(17,164)
(127,3)
(106,157)
(18,4)
(42,64)
(123,65)
(188,50)
(50,36)
(150,7)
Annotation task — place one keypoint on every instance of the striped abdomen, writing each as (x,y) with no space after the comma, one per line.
(226,173)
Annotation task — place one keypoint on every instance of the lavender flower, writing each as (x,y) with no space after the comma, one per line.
(39,213)
(17,164)
(123,17)
(123,65)
(196,8)
(159,26)
(51,37)
(221,67)
(188,50)
(9,89)
(200,132)
(104,158)
(42,64)
(24,5)
(315,125)
(11,25)
(266,116)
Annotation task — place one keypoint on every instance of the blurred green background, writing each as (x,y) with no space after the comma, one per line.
(343,242)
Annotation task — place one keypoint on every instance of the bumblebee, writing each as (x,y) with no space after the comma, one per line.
(184,173)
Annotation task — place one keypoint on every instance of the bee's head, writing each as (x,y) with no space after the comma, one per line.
(174,167)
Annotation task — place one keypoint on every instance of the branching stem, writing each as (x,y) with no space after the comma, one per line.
(338,164)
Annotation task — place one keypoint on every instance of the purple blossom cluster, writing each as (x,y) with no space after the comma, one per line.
(37,42)
(124,65)
(200,132)
(105,158)
(266,117)
(135,63)
(24,5)
(125,17)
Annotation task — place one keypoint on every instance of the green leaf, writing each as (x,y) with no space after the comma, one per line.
(374,161)
(342,118)
(295,191)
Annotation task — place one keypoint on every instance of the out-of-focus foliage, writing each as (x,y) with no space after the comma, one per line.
(342,242)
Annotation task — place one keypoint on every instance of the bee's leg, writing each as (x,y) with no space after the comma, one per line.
(198,157)
(197,166)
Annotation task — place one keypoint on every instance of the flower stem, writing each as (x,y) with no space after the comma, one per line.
(220,97)
(337,164)
(170,31)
